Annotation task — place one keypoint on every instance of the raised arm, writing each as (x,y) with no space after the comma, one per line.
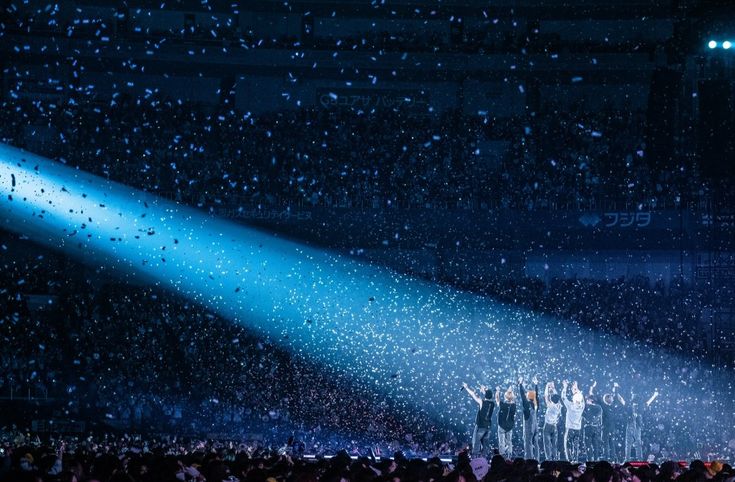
(564,398)
(653,397)
(547,392)
(617,395)
(497,396)
(592,388)
(524,399)
(472,393)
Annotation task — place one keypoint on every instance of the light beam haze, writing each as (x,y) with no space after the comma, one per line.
(407,340)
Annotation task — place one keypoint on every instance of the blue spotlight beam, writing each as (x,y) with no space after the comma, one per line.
(411,341)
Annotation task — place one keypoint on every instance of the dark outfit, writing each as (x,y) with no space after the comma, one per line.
(530,426)
(506,422)
(633,441)
(592,420)
(610,423)
(481,434)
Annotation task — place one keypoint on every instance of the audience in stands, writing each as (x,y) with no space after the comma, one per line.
(164,364)
(353,158)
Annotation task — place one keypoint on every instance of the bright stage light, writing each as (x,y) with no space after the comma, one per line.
(712,44)
(410,342)
(726,45)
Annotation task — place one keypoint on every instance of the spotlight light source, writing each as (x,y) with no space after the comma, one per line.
(712,44)
(726,45)
(408,341)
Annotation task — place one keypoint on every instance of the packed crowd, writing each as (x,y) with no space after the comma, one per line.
(132,459)
(632,308)
(137,357)
(349,158)
(470,35)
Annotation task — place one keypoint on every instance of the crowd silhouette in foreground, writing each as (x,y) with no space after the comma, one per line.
(127,458)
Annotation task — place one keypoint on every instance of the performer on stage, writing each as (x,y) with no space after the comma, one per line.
(529,402)
(610,405)
(551,421)
(572,421)
(481,434)
(592,418)
(633,411)
(506,421)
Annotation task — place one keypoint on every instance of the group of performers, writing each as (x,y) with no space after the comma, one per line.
(599,426)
